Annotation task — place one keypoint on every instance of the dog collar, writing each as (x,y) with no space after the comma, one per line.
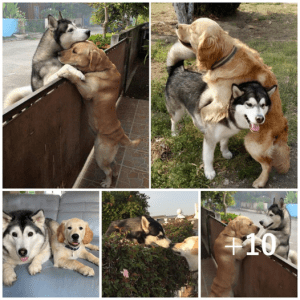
(71,248)
(224,60)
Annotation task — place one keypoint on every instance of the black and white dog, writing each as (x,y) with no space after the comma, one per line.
(186,91)
(143,230)
(60,35)
(25,240)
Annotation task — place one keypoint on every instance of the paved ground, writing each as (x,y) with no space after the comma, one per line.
(257,217)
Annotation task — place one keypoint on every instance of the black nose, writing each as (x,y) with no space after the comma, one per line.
(176,26)
(88,33)
(22,252)
(75,236)
(260,222)
(259,119)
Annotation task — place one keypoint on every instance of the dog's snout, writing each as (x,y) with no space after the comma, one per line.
(259,119)
(75,236)
(22,252)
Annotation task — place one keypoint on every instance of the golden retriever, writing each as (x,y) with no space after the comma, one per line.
(229,264)
(228,61)
(99,87)
(69,241)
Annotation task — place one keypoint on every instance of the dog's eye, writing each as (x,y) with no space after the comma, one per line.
(14,234)
(71,30)
(80,228)
(263,105)
(74,51)
(249,104)
(271,215)
(30,234)
(70,228)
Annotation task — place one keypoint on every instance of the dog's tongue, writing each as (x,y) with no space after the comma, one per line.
(254,127)
(24,258)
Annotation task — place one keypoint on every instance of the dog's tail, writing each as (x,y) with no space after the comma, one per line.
(177,54)
(16,95)
(125,141)
(281,158)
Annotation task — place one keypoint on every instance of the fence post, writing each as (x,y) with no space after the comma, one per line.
(126,69)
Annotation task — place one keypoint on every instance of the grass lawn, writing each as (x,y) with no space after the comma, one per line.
(177,161)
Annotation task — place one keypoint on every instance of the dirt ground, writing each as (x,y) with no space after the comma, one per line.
(272,23)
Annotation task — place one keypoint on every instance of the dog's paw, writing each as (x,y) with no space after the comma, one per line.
(258,241)
(97,262)
(34,268)
(106,183)
(68,71)
(227,155)
(210,174)
(9,277)
(86,271)
(259,183)
(246,243)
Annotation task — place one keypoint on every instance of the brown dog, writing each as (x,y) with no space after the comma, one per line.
(229,264)
(226,61)
(100,90)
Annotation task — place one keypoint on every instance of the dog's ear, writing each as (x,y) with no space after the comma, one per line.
(88,237)
(145,224)
(60,16)
(95,59)
(6,220)
(236,92)
(52,23)
(38,218)
(281,203)
(61,232)
(272,90)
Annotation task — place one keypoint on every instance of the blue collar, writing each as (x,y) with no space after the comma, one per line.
(71,248)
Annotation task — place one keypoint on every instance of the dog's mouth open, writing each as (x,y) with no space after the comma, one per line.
(252,127)
(74,243)
(23,259)
(265,227)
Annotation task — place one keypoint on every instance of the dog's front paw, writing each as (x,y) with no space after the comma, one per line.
(258,241)
(210,174)
(259,183)
(9,277)
(227,155)
(246,243)
(34,268)
(106,183)
(69,72)
(86,271)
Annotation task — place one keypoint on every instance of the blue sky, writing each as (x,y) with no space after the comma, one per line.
(167,202)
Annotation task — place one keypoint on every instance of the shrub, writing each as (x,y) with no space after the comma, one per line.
(130,270)
(226,219)
(217,9)
(178,230)
(100,41)
(260,206)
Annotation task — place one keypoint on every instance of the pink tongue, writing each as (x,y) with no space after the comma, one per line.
(24,258)
(254,127)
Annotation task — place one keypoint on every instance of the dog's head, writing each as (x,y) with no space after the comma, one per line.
(65,32)
(86,57)
(207,40)
(74,232)
(240,227)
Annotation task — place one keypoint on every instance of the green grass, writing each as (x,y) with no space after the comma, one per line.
(181,166)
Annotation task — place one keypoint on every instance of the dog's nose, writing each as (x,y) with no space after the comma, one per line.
(75,236)
(88,32)
(260,222)
(259,119)
(176,26)
(22,252)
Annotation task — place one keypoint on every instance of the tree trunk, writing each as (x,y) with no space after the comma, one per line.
(184,12)
(224,203)
(105,22)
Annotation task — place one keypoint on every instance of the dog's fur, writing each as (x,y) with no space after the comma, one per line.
(229,264)
(278,223)
(69,241)
(25,240)
(211,44)
(60,35)
(186,91)
(189,249)
(142,230)
(100,90)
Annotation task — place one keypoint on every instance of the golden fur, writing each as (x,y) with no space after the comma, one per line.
(229,264)
(61,235)
(100,90)
(211,43)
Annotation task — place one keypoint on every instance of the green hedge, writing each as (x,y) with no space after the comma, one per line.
(99,40)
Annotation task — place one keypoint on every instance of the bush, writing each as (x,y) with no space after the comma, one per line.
(35,26)
(260,206)
(100,41)
(217,9)
(152,272)
(179,230)
(226,219)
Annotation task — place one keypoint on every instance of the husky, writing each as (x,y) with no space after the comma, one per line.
(143,230)
(60,35)
(186,91)
(25,240)
(278,223)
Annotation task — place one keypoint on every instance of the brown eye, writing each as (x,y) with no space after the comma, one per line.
(74,51)
(30,234)
(69,228)
(80,228)
(14,234)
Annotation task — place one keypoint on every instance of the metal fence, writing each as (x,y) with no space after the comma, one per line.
(260,276)
(46,137)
